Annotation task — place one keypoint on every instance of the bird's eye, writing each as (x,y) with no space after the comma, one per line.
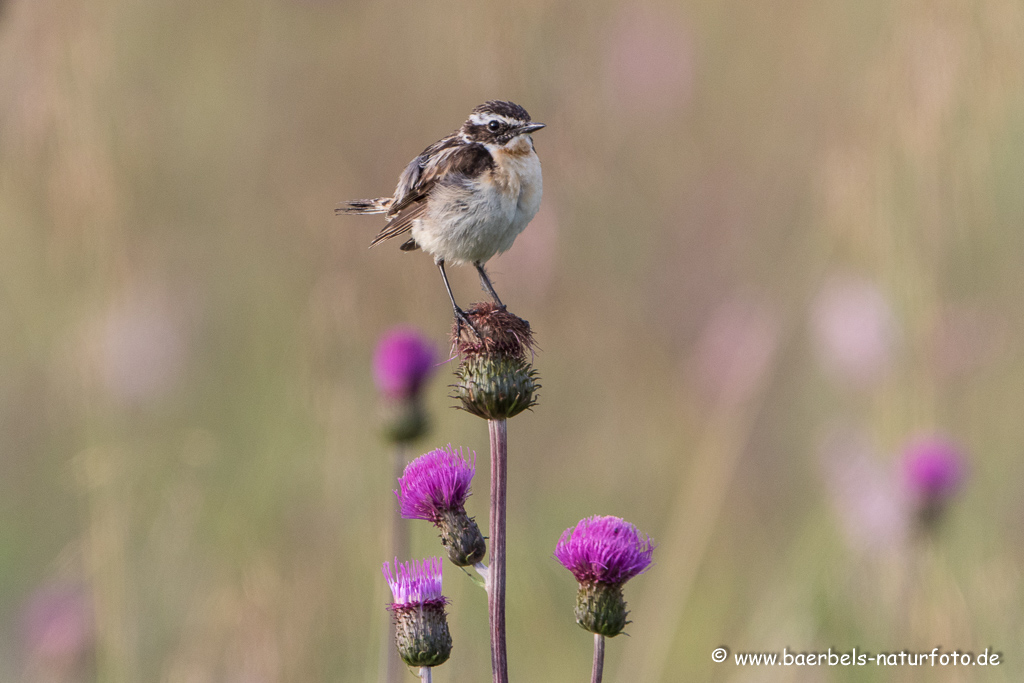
(493,126)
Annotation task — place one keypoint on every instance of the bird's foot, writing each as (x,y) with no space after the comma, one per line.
(462,319)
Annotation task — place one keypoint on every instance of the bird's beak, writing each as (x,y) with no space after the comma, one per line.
(529,128)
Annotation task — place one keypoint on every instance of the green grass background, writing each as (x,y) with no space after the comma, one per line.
(188,424)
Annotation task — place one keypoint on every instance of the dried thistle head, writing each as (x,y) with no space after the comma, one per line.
(501,333)
(495,378)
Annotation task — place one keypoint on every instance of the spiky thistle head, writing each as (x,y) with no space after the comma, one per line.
(495,378)
(434,483)
(415,583)
(421,627)
(603,553)
(434,487)
(604,549)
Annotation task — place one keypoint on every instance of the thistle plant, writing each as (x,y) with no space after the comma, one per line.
(496,381)
(421,627)
(603,553)
(434,487)
(402,363)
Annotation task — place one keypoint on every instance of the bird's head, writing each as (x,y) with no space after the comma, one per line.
(500,124)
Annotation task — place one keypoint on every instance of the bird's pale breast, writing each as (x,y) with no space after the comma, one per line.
(475,219)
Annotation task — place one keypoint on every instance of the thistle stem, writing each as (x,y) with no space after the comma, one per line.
(399,526)
(426,674)
(498,430)
(392,668)
(598,671)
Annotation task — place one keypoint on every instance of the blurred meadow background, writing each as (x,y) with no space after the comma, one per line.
(779,242)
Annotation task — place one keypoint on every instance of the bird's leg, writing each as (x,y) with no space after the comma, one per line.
(486,282)
(460,315)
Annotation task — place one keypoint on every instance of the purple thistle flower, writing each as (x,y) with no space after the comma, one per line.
(435,483)
(606,550)
(414,583)
(603,553)
(434,487)
(933,468)
(402,362)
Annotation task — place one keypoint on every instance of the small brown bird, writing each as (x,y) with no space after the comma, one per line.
(467,196)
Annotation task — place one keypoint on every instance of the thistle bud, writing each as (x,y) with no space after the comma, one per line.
(603,553)
(495,378)
(421,627)
(435,487)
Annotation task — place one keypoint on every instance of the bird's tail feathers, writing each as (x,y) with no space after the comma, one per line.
(378,205)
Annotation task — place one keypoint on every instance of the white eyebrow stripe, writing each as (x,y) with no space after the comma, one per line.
(484,119)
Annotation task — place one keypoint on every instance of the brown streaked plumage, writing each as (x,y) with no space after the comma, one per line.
(466,197)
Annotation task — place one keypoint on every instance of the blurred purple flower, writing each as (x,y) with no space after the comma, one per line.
(57,626)
(933,469)
(434,483)
(879,509)
(402,362)
(415,583)
(854,328)
(605,550)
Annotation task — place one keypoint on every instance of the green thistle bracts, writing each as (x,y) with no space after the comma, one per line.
(495,387)
(461,537)
(600,608)
(422,636)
